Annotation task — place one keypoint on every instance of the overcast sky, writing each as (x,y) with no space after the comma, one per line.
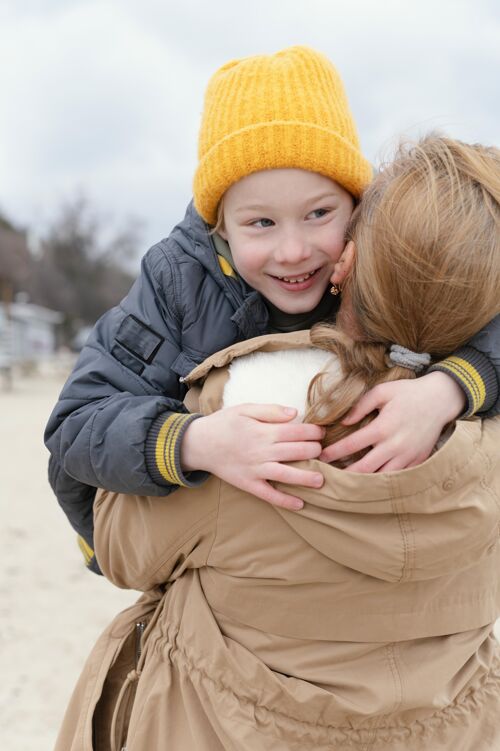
(104,96)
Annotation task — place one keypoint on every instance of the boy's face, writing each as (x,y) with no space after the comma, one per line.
(285,228)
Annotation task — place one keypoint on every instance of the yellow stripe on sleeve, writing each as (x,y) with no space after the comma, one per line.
(171,445)
(87,551)
(160,448)
(165,447)
(471,378)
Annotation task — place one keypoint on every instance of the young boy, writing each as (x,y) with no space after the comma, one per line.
(279,173)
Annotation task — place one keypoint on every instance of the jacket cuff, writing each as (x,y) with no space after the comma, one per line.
(88,555)
(476,375)
(163,448)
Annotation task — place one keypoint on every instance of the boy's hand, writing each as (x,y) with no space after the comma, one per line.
(246,445)
(412,415)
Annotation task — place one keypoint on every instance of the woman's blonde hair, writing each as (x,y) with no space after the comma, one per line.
(426,272)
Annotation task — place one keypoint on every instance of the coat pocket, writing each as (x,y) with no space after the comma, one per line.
(94,711)
(112,712)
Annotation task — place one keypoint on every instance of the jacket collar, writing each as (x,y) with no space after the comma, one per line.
(250,312)
(266,343)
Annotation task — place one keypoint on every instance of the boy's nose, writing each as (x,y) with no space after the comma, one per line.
(292,250)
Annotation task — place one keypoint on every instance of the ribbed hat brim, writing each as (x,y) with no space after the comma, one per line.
(277,145)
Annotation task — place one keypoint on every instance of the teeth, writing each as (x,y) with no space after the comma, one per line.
(297,278)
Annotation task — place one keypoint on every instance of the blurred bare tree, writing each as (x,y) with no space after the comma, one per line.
(80,269)
(15,258)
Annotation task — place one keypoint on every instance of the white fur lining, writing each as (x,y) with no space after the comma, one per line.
(281,377)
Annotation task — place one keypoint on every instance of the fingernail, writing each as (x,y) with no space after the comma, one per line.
(297,505)
(289,411)
(318,481)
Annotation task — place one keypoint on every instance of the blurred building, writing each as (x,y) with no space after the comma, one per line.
(28,333)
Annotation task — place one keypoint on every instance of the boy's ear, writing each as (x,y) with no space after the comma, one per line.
(344,265)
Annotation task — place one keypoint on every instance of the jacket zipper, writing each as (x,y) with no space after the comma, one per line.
(140,627)
(139,631)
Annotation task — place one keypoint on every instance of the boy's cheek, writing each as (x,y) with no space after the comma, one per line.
(249,259)
(255,266)
(332,241)
(336,252)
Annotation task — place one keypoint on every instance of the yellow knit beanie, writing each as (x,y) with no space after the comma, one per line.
(287,110)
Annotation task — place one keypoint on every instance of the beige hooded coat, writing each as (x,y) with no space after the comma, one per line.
(364,621)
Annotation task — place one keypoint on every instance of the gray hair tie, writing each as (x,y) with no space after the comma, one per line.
(405,357)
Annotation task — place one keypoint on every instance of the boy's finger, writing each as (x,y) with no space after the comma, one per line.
(404,461)
(420,459)
(287,475)
(349,445)
(369,402)
(395,464)
(372,461)
(268,412)
(299,431)
(295,452)
(266,492)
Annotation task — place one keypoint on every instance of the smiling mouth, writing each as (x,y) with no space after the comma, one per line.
(297,279)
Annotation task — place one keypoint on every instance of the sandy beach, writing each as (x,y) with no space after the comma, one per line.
(52,608)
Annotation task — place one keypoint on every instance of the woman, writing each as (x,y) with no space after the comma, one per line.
(365,620)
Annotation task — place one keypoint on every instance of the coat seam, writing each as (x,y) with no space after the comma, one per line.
(175,309)
(395,509)
(189,534)
(408,547)
(91,428)
(396,675)
(217,519)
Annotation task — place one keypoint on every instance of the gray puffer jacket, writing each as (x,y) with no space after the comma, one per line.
(119,421)
(104,429)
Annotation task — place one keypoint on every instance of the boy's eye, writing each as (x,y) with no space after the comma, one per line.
(317,213)
(263,223)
